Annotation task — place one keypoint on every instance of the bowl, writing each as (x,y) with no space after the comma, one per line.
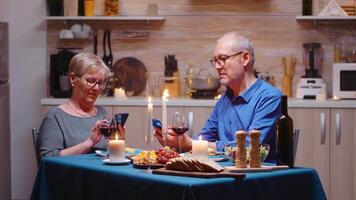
(230,152)
(81,35)
(202,78)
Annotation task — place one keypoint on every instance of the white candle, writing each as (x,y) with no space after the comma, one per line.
(116,150)
(200,147)
(164,111)
(149,125)
(120,93)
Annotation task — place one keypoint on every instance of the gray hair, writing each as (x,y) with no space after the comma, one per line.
(83,62)
(239,43)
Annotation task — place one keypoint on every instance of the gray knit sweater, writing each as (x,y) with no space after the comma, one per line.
(60,130)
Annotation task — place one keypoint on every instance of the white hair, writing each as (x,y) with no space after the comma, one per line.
(239,43)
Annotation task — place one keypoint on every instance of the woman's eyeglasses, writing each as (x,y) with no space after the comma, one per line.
(92,82)
(222,59)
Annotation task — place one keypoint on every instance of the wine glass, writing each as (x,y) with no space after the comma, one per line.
(107,128)
(180,126)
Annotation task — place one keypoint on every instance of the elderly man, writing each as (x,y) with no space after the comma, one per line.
(248,102)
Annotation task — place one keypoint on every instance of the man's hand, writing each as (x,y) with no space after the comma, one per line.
(172,140)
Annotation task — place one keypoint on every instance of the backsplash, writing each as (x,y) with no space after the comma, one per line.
(191,28)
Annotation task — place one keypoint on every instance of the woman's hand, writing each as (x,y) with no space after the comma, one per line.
(95,135)
(121,131)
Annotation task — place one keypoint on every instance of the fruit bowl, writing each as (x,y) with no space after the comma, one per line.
(230,152)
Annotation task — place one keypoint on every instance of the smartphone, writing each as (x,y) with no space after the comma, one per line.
(121,118)
(157,123)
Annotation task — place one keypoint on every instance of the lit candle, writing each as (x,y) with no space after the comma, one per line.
(116,150)
(120,93)
(149,125)
(164,113)
(200,147)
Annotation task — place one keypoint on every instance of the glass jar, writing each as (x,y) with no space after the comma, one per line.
(111,7)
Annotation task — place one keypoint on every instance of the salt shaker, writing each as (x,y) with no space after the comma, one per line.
(241,154)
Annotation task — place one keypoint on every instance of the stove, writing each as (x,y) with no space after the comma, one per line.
(203,94)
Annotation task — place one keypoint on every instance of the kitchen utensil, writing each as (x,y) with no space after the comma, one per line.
(289,70)
(130,74)
(95,41)
(58,67)
(200,78)
(312,58)
(107,58)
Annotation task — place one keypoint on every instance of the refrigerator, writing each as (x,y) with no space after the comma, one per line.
(5,161)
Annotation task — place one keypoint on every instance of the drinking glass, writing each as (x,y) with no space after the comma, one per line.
(180,126)
(107,128)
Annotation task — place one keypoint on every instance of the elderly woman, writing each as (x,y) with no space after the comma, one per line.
(73,127)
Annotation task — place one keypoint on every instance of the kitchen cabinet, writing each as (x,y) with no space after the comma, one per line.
(313,145)
(343,154)
(326,143)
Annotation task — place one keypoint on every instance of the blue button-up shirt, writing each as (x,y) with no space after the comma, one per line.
(258,107)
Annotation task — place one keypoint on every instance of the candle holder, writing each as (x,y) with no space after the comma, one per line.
(149,133)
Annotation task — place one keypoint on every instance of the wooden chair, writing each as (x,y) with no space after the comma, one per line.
(35,134)
(295,142)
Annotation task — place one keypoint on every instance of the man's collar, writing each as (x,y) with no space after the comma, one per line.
(245,95)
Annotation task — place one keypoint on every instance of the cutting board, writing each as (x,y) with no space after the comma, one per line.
(223,174)
(263,168)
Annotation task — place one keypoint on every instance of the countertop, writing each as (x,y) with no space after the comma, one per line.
(188,102)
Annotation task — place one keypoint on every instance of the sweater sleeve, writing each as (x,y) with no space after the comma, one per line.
(51,140)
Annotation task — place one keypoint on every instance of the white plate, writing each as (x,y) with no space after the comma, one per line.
(107,161)
(104,153)
(218,158)
(101,153)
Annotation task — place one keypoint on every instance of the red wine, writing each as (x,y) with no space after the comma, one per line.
(285,136)
(107,131)
(180,130)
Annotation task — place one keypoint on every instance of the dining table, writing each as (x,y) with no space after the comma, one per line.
(87,177)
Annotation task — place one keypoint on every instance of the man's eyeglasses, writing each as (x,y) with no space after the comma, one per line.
(92,82)
(222,59)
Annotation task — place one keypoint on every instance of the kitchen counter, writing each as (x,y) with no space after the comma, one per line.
(187,102)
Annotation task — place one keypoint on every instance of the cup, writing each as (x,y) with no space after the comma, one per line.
(64,82)
(66,34)
(116,150)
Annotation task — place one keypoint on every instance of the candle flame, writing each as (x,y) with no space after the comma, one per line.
(116,137)
(121,90)
(200,137)
(149,99)
(165,93)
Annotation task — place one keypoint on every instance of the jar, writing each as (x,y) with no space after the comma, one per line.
(111,7)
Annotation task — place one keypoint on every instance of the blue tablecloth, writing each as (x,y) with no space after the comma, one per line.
(86,177)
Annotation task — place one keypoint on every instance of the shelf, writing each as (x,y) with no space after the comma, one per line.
(107,18)
(326,18)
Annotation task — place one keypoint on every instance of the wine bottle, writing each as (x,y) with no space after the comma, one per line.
(285,136)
